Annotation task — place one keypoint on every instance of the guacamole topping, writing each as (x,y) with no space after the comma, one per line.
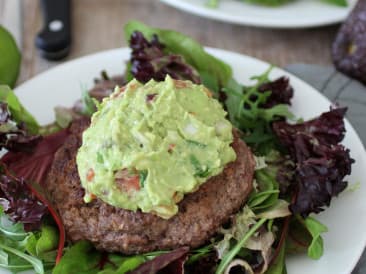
(148,145)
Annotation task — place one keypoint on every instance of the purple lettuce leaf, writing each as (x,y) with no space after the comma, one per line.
(206,264)
(281,92)
(171,262)
(149,61)
(19,203)
(321,162)
(34,166)
(14,136)
(328,128)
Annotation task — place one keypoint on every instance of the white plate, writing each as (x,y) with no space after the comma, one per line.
(296,14)
(346,220)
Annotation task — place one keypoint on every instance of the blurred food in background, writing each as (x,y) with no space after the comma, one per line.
(349,47)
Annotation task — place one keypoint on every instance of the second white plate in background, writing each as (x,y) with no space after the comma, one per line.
(296,14)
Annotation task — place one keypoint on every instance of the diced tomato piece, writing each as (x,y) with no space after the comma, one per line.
(128,184)
(90,175)
(171,147)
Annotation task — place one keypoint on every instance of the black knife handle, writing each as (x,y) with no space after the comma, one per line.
(56,33)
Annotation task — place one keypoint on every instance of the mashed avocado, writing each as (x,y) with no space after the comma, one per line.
(148,145)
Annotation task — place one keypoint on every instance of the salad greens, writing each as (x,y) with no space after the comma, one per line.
(213,71)
(274,3)
(252,109)
(21,250)
(18,112)
(300,167)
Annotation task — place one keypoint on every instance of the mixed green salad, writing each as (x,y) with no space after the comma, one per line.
(300,166)
(275,3)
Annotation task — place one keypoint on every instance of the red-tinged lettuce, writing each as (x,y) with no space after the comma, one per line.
(149,61)
(19,203)
(171,262)
(213,72)
(281,92)
(13,135)
(204,264)
(321,162)
(35,166)
(18,112)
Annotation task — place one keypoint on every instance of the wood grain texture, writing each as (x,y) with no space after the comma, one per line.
(97,25)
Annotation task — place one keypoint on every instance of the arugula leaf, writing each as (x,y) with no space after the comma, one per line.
(34,262)
(252,109)
(13,247)
(266,194)
(193,53)
(10,58)
(18,112)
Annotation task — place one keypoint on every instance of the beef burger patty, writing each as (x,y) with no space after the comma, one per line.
(112,229)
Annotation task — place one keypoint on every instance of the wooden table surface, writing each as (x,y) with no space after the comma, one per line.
(97,25)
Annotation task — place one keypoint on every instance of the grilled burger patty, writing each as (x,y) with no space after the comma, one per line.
(112,229)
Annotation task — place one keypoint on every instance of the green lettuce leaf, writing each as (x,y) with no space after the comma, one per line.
(13,248)
(315,250)
(213,71)
(82,258)
(19,113)
(245,106)
(305,235)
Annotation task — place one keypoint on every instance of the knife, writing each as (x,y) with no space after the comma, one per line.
(54,40)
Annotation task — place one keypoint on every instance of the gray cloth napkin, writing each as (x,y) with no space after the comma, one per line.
(347,92)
